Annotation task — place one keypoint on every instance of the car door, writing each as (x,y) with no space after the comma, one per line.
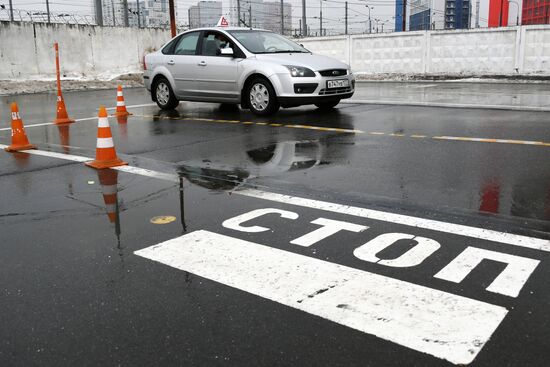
(217,74)
(183,64)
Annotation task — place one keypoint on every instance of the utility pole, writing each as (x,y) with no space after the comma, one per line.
(113,7)
(404,15)
(239,13)
(172,17)
(320,18)
(477,14)
(125,10)
(139,19)
(48,10)
(346,17)
(11,11)
(304,24)
(301,30)
(282,19)
(98,13)
(250,15)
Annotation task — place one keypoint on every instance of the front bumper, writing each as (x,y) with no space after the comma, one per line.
(286,88)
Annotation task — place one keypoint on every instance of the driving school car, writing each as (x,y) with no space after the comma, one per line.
(258,69)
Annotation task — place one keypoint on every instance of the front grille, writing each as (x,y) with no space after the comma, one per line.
(325,92)
(333,72)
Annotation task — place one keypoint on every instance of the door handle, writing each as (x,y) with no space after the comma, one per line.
(202,63)
(171,62)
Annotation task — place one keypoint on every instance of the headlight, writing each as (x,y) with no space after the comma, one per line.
(299,71)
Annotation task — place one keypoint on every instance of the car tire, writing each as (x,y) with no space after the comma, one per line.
(261,97)
(164,95)
(327,105)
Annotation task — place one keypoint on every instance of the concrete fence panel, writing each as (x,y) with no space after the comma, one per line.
(336,47)
(536,50)
(388,54)
(474,52)
(26,49)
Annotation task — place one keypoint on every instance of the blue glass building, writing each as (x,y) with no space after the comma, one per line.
(398,15)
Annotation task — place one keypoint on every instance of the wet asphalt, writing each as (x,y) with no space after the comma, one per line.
(74,292)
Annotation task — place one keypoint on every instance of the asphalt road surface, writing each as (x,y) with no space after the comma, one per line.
(369,235)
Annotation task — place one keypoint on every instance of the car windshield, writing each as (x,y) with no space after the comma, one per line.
(264,42)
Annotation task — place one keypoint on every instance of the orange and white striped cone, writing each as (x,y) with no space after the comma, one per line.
(105,154)
(62,116)
(120,104)
(19,140)
(108,179)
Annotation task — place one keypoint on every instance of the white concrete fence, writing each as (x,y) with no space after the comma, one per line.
(523,50)
(26,51)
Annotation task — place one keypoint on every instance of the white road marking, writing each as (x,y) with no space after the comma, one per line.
(415,256)
(434,225)
(509,282)
(441,324)
(443,104)
(235,222)
(458,229)
(327,229)
(82,119)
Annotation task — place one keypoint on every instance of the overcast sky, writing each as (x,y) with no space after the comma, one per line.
(333,11)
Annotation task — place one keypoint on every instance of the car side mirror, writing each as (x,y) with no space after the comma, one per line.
(228,51)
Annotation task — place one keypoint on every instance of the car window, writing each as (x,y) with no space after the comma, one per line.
(187,45)
(212,42)
(264,42)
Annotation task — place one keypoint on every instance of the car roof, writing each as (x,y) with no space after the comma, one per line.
(227,29)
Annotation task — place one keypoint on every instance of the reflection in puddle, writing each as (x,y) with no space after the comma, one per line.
(230,170)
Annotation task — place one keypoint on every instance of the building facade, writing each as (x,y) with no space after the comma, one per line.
(272,17)
(252,14)
(420,18)
(153,13)
(498,13)
(457,14)
(204,14)
(399,16)
(535,12)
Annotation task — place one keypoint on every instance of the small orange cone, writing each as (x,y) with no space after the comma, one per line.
(62,116)
(105,154)
(108,179)
(120,104)
(19,140)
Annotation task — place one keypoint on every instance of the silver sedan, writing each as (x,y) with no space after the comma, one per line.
(258,69)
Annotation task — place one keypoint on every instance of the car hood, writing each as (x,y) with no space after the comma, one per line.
(314,62)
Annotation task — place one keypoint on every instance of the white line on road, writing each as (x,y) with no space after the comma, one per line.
(446,105)
(441,324)
(82,119)
(434,225)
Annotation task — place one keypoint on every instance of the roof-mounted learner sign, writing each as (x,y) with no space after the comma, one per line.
(222,22)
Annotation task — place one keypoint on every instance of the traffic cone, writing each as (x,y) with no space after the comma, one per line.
(105,154)
(19,140)
(62,116)
(120,104)
(108,179)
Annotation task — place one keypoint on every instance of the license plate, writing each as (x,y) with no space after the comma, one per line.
(342,83)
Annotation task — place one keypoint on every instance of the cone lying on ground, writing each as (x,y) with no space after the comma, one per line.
(62,116)
(108,179)
(19,140)
(120,104)
(105,154)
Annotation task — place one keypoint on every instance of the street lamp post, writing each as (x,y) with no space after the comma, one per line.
(369,8)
